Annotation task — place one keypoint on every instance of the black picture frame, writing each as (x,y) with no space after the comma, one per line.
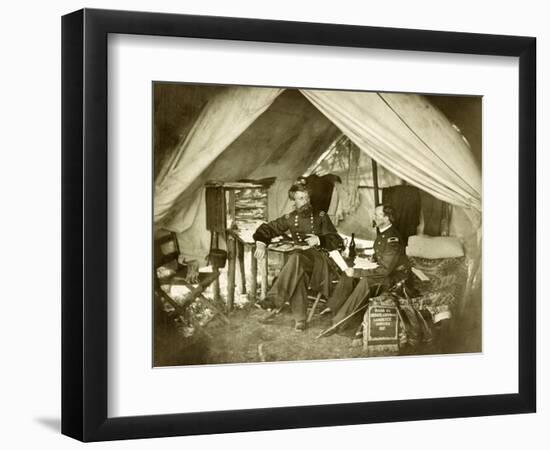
(84,224)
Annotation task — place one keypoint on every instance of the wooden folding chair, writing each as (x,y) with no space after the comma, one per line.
(167,254)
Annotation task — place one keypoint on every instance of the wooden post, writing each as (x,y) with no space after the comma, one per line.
(263,275)
(254,273)
(242,274)
(375,181)
(216,284)
(231,256)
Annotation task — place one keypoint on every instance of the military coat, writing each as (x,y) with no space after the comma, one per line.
(300,224)
(389,253)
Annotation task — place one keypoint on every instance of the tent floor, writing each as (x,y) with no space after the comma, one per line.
(246,340)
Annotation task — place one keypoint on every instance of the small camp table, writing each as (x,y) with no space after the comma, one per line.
(237,243)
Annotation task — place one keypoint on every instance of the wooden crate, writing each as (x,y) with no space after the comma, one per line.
(235,206)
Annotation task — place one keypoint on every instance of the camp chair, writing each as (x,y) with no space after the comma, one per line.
(318,298)
(167,255)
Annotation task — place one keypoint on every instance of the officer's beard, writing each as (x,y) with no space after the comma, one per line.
(304,209)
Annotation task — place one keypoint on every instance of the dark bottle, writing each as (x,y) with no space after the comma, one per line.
(352,253)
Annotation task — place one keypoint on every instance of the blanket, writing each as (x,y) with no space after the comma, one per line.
(435,299)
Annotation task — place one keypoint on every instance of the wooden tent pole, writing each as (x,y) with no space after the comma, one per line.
(375,180)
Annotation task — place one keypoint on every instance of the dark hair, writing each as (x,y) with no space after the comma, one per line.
(299,186)
(389,212)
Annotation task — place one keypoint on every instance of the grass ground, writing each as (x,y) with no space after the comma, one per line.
(246,340)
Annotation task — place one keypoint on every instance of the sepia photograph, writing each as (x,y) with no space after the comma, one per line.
(307,224)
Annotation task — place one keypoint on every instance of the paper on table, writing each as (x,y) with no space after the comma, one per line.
(364,263)
(337,258)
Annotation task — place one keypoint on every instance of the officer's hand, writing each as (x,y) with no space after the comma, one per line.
(349,272)
(260,250)
(313,240)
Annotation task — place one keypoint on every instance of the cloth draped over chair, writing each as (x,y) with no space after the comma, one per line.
(405,200)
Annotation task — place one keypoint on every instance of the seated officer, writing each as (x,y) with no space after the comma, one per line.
(352,290)
(304,268)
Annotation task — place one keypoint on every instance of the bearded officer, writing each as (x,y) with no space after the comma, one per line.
(353,288)
(304,268)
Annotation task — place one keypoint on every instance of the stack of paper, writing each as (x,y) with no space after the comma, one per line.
(364,263)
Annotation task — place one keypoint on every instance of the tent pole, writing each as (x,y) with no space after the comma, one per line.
(216,284)
(375,180)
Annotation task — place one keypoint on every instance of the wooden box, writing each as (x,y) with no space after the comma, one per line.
(236,206)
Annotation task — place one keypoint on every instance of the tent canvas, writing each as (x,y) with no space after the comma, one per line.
(231,133)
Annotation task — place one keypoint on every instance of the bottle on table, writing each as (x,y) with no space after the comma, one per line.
(351,249)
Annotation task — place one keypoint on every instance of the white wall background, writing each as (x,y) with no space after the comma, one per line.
(30,230)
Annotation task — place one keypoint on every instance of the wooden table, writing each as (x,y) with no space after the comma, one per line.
(237,244)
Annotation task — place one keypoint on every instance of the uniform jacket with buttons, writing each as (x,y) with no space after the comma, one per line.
(389,253)
(299,225)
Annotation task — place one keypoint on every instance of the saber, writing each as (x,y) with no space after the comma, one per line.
(328,330)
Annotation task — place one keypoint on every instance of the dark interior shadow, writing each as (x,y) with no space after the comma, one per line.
(53,423)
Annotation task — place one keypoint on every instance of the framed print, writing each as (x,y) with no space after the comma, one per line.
(274,225)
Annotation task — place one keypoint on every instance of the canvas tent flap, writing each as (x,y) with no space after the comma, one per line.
(409,137)
(221,121)
(283,141)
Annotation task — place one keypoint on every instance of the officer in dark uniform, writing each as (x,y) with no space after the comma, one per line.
(304,268)
(353,288)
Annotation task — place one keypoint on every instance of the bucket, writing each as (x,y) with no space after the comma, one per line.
(217,257)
